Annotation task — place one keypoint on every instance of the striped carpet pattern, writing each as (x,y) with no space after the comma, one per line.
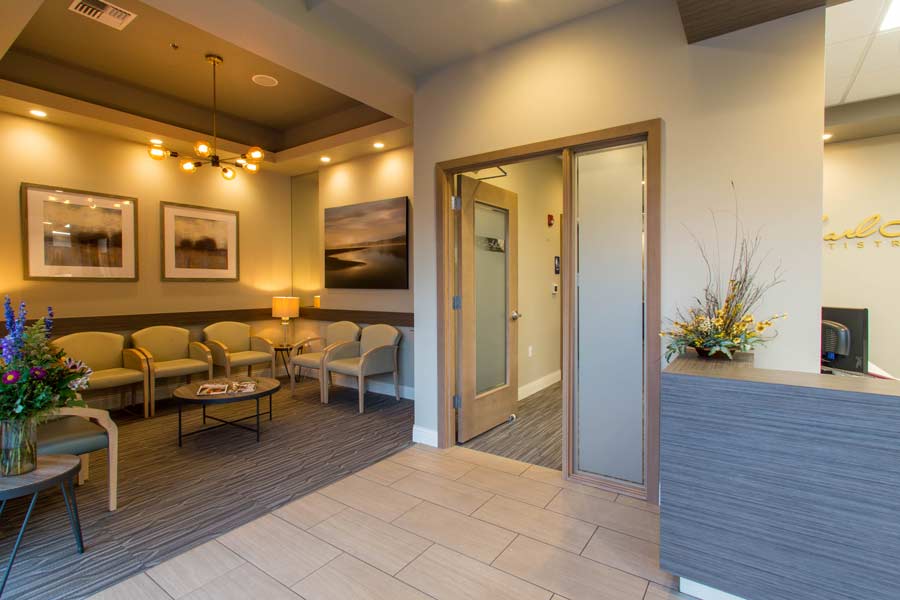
(172,499)
(534,437)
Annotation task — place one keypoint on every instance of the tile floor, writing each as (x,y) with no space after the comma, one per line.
(429,524)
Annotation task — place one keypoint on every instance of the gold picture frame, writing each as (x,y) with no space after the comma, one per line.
(199,243)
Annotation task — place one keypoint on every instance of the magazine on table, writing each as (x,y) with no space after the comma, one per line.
(233,387)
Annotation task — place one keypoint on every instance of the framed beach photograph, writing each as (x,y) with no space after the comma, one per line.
(199,243)
(366,245)
(78,235)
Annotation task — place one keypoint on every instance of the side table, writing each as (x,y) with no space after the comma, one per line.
(52,470)
(285,353)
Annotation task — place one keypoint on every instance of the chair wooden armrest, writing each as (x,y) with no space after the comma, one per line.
(219,352)
(137,359)
(102,418)
(261,344)
(381,359)
(200,351)
(298,347)
(341,350)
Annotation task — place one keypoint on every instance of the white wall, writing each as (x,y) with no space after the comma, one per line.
(862,178)
(746,107)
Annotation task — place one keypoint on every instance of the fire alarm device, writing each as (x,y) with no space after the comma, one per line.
(550,220)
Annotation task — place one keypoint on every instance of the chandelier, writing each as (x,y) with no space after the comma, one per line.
(206,153)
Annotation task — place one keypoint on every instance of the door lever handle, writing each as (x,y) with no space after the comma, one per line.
(516,315)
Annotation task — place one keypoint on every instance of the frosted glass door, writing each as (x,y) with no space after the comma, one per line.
(610,407)
(491,244)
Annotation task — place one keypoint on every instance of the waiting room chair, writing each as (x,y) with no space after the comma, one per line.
(375,353)
(232,346)
(78,430)
(171,353)
(308,353)
(114,365)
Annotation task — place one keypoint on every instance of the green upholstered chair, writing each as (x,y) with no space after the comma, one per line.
(171,353)
(80,431)
(375,353)
(232,346)
(308,353)
(114,365)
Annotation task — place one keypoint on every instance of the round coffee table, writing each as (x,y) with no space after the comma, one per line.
(187,394)
(52,470)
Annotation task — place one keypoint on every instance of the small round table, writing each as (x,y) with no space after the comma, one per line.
(284,351)
(52,470)
(187,394)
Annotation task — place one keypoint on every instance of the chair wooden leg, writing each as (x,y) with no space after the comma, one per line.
(249,370)
(273,367)
(324,380)
(150,393)
(84,473)
(146,401)
(228,370)
(362,393)
(112,462)
(397,385)
(291,374)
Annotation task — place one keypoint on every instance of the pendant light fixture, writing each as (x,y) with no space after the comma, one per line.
(208,154)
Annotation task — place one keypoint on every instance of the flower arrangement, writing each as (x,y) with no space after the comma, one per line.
(722,321)
(36,378)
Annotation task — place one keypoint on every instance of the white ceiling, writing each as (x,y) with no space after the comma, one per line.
(861,62)
(422,35)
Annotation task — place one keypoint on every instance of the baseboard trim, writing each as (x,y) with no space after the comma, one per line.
(373,385)
(537,385)
(423,435)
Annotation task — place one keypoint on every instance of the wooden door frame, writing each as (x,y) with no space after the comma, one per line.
(649,131)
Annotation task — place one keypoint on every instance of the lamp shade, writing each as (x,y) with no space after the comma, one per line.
(285,306)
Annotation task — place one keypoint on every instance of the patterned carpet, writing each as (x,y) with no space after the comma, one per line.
(171,499)
(534,437)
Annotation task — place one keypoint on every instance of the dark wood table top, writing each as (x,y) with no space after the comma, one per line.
(264,387)
(51,470)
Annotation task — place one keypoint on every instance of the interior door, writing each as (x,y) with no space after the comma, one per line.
(488,289)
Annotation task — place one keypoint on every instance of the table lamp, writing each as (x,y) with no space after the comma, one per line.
(286,307)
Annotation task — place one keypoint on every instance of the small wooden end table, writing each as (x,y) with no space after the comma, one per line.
(187,394)
(52,470)
(284,351)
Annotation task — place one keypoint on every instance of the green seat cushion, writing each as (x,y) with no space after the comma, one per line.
(347,366)
(311,360)
(250,357)
(180,366)
(70,435)
(110,378)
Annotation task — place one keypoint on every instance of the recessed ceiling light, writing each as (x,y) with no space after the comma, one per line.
(264,80)
(827,136)
(156,142)
(378,145)
(891,17)
(325,159)
(37,113)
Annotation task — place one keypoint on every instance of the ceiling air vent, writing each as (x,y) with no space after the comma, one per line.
(103,12)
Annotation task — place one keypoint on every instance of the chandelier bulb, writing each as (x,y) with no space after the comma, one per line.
(188,166)
(157,152)
(228,173)
(202,149)
(254,154)
(252,168)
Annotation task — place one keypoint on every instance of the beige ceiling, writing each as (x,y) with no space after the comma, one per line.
(422,35)
(137,70)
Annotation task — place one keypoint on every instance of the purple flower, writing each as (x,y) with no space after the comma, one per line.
(38,372)
(48,322)
(10,377)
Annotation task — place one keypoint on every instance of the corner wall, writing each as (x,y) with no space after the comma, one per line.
(747,107)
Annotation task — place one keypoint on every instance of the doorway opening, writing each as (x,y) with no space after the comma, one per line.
(609,297)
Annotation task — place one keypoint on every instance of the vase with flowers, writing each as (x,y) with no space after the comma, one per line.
(36,379)
(721,321)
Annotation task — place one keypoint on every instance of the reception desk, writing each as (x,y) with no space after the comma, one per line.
(778,485)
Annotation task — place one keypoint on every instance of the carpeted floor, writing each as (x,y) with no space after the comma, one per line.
(534,437)
(171,498)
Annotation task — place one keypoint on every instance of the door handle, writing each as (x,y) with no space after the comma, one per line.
(516,315)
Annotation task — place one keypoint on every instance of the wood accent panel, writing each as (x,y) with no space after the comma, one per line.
(780,485)
(704,19)
(118,323)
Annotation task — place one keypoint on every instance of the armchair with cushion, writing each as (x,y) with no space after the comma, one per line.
(375,353)
(232,346)
(171,353)
(80,431)
(308,353)
(114,365)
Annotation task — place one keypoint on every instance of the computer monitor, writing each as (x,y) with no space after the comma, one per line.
(857,321)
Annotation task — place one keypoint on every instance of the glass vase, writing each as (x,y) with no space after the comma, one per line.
(18,447)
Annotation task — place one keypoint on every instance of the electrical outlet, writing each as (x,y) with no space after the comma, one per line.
(555,289)
(530,351)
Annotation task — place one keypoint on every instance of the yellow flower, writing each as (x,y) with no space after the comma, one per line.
(736,341)
(761,326)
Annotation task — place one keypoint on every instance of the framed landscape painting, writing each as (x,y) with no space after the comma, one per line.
(78,235)
(366,245)
(198,243)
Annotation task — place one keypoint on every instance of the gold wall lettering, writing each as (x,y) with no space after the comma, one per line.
(868,227)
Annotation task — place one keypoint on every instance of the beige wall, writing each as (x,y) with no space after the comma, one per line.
(40,152)
(747,107)
(376,177)
(862,178)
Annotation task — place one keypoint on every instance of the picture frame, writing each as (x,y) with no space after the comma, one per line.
(367,245)
(198,243)
(77,235)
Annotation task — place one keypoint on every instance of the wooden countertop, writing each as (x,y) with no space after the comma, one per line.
(741,369)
